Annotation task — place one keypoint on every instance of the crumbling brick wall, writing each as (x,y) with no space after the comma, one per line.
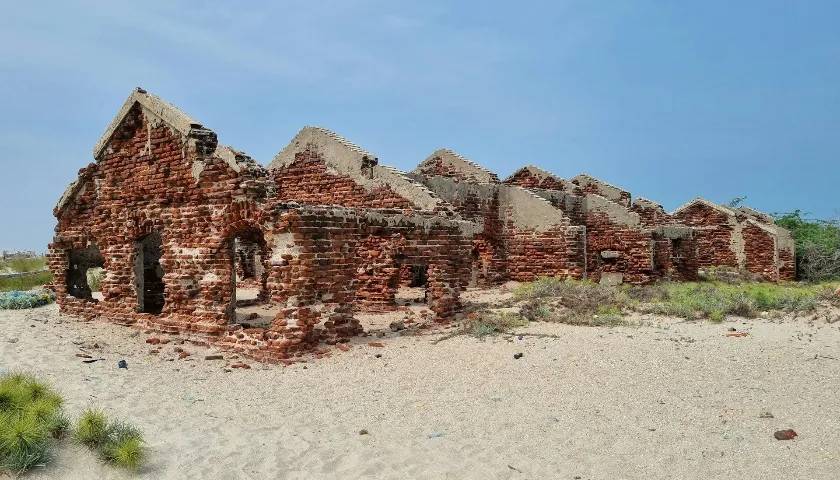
(759,251)
(527,178)
(615,248)
(145,182)
(651,214)
(714,232)
(309,181)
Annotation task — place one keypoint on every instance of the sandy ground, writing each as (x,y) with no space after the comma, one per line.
(669,399)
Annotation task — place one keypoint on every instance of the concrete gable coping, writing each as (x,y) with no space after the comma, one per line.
(759,216)
(168,113)
(348,159)
(528,210)
(616,212)
(461,163)
(702,201)
(537,172)
(590,179)
(646,203)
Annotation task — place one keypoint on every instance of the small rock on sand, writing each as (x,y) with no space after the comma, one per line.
(785,434)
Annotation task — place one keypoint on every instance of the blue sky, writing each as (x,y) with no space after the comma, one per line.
(670,100)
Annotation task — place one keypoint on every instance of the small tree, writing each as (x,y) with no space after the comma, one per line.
(817,245)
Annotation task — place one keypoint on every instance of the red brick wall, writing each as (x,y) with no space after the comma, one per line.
(526,179)
(713,233)
(651,216)
(557,252)
(635,248)
(437,167)
(307,180)
(759,249)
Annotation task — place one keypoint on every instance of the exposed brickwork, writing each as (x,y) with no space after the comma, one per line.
(529,178)
(308,181)
(759,247)
(714,232)
(173,218)
(615,248)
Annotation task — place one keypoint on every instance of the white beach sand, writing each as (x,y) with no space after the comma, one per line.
(677,400)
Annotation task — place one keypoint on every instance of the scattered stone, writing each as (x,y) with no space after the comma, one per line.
(736,334)
(731,329)
(376,344)
(343,347)
(182,354)
(785,434)
(363,432)
(12,340)
(396,326)
(517,356)
(122,364)
(435,435)
(378,355)
(241,365)
(153,341)
(766,415)
(83,355)
(214,357)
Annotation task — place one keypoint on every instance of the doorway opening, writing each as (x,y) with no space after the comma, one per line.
(250,305)
(148,273)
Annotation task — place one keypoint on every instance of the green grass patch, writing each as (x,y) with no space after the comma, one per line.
(30,419)
(715,300)
(581,302)
(24,264)
(25,282)
(117,443)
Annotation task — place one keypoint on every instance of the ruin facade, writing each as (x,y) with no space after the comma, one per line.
(184,228)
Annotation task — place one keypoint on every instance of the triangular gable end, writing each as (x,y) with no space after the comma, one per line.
(161,109)
(461,164)
(348,159)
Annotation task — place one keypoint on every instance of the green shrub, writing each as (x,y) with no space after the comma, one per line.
(92,428)
(30,414)
(124,446)
(817,245)
(118,443)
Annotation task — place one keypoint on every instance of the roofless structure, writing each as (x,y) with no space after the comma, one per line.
(197,238)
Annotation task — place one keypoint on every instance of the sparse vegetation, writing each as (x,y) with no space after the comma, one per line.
(586,303)
(25,282)
(117,442)
(491,323)
(572,301)
(30,419)
(23,264)
(16,300)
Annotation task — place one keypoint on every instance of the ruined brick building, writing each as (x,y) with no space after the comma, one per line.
(181,225)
